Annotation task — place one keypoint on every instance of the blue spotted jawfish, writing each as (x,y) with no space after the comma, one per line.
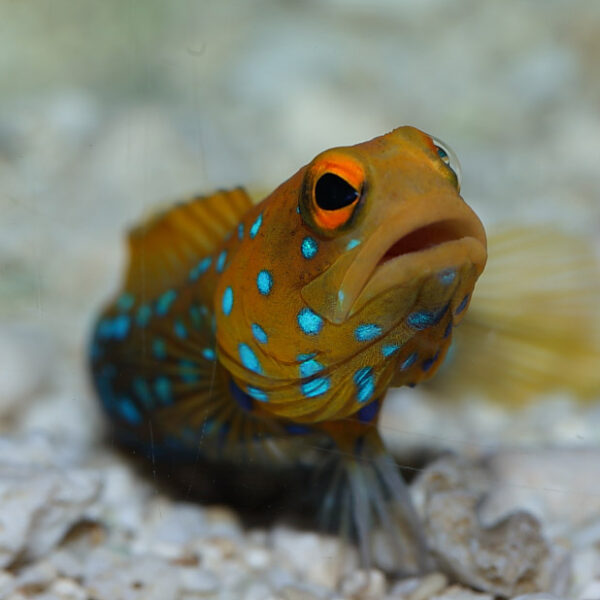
(240,324)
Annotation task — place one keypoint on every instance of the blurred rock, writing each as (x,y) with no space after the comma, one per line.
(508,557)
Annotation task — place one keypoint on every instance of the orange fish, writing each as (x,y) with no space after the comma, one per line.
(243,325)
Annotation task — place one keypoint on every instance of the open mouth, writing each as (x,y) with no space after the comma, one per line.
(424,238)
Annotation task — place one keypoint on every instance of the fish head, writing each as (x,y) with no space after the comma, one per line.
(367,258)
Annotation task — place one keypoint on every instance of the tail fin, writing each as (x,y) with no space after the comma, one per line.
(534,324)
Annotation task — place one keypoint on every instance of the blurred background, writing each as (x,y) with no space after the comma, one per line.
(112,107)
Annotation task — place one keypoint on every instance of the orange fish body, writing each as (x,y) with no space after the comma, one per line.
(241,323)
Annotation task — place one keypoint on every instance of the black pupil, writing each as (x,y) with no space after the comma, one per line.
(332,192)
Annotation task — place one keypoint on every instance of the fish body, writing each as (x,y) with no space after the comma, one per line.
(240,323)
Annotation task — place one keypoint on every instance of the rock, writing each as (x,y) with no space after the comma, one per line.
(364,585)
(506,558)
(39,504)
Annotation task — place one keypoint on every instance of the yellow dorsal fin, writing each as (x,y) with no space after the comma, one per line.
(163,249)
(533,325)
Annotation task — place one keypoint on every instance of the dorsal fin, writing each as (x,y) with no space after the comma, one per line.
(164,248)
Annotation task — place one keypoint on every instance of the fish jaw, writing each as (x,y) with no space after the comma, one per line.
(406,247)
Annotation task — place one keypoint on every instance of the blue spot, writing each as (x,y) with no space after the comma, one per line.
(316,387)
(421,319)
(188,371)
(120,326)
(256,226)
(240,231)
(159,348)
(164,302)
(447,276)
(366,332)
(257,394)
(462,305)
(243,400)
(310,322)
(297,429)
(249,359)
(180,330)
(365,383)
(341,296)
(367,413)
(200,268)
(162,387)
(195,316)
(309,247)
(142,391)
(143,315)
(129,411)
(298,209)
(221,261)
(259,333)
(352,244)
(125,301)
(227,302)
(429,362)
(389,349)
(264,282)
(448,329)
(209,354)
(104,329)
(409,362)
(303,357)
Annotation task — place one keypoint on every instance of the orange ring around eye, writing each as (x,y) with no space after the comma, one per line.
(350,171)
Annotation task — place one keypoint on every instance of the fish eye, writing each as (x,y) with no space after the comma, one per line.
(332,192)
(449,158)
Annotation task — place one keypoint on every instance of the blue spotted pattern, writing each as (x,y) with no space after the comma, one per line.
(120,327)
(125,301)
(256,226)
(389,349)
(258,394)
(164,302)
(227,301)
(240,231)
(448,329)
(200,268)
(366,332)
(162,388)
(409,362)
(209,354)
(159,348)
(180,330)
(310,322)
(341,296)
(142,391)
(259,333)
(249,359)
(352,244)
(367,413)
(310,247)
(429,362)
(220,266)
(318,385)
(144,312)
(462,305)
(365,384)
(447,276)
(129,411)
(264,282)
(188,371)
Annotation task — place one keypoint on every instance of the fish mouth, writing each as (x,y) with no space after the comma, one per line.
(419,253)
(399,254)
(424,238)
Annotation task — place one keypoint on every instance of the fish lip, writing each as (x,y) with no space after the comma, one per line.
(428,248)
